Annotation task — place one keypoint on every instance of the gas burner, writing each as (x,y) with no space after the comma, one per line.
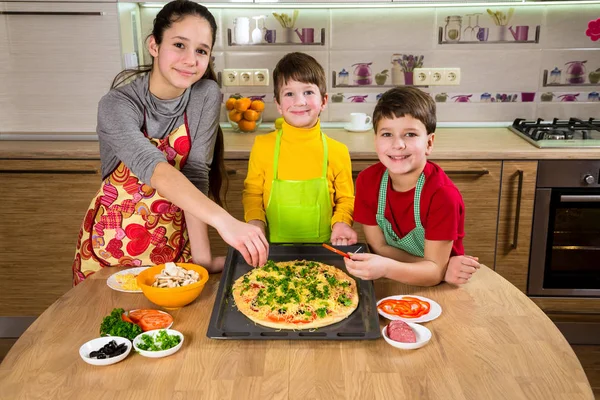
(557,134)
(573,132)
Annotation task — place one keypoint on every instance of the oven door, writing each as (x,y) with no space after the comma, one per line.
(565,246)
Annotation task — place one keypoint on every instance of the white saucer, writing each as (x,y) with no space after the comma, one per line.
(112,280)
(434,311)
(365,128)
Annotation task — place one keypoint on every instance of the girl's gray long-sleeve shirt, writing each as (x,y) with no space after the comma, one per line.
(121,118)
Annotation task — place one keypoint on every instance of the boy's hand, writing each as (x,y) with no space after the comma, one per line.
(260,224)
(343,235)
(367,266)
(461,269)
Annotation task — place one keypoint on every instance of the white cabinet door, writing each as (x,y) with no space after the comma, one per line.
(56,61)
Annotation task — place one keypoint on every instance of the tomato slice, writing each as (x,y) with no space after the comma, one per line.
(407,307)
(125,318)
(152,321)
(136,315)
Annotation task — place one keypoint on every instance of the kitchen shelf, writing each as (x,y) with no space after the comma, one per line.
(230,42)
(535,40)
(334,84)
(546,84)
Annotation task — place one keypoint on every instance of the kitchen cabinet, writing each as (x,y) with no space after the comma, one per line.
(515,219)
(479,185)
(42,206)
(81,55)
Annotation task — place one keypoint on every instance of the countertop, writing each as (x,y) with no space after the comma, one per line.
(450,144)
(490,342)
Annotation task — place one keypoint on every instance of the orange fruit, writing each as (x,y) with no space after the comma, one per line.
(230,103)
(235,116)
(242,104)
(247,126)
(257,105)
(251,115)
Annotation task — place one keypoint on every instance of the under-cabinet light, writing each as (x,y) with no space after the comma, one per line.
(520,3)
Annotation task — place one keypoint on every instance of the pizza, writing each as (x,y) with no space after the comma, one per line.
(295,295)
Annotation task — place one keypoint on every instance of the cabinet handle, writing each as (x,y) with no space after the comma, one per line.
(50,171)
(95,13)
(518,210)
(231,172)
(480,172)
(355,174)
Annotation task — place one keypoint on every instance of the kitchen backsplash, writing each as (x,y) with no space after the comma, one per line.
(533,61)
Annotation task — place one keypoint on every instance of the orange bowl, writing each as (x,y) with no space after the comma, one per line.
(171,298)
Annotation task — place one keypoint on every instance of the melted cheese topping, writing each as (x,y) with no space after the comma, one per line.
(299,291)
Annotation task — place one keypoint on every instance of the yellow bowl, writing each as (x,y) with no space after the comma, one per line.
(171,298)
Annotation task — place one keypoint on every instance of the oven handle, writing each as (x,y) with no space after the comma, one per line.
(568,198)
(518,210)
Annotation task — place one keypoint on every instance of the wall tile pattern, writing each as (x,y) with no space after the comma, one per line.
(496,77)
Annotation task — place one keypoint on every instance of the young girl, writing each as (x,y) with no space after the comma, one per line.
(161,149)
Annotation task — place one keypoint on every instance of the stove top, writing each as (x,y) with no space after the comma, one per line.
(557,133)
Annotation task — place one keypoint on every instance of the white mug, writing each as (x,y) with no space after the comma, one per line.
(359,120)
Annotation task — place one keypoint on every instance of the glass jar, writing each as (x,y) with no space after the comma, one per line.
(343,77)
(453,28)
(555,76)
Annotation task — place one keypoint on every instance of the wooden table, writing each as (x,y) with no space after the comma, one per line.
(491,342)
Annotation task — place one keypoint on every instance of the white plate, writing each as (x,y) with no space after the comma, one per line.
(112,280)
(365,128)
(423,336)
(435,310)
(160,311)
(160,353)
(97,344)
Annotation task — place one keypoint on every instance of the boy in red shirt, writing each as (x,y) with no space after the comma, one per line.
(412,214)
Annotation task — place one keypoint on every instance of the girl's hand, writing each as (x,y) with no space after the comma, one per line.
(367,266)
(461,269)
(260,224)
(248,239)
(343,235)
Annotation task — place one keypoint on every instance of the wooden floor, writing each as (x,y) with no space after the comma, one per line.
(589,356)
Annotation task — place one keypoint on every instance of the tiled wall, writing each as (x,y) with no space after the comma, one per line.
(502,71)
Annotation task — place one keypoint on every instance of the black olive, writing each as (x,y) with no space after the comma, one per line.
(93,354)
(101,356)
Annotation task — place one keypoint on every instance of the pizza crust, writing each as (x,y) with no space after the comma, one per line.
(259,315)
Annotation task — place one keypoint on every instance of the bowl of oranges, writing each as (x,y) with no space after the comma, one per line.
(244,113)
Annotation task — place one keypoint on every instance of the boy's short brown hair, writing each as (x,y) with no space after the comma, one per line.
(405,100)
(299,67)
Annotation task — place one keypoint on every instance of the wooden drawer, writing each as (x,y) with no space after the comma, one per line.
(41,213)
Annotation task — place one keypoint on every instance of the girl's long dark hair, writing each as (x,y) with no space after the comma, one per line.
(170,13)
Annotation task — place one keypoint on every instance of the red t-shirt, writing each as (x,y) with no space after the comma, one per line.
(442,207)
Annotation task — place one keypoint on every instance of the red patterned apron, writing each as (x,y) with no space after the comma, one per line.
(129,223)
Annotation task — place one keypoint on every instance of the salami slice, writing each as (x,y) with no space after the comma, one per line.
(401,332)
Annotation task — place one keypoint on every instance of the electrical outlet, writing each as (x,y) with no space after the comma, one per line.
(261,77)
(437,76)
(422,76)
(230,77)
(451,76)
(246,77)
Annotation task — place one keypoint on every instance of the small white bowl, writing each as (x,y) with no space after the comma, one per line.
(160,353)
(97,344)
(423,335)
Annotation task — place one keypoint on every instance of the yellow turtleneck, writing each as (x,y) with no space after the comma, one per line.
(300,158)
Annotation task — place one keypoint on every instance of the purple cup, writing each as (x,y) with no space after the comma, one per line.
(527,96)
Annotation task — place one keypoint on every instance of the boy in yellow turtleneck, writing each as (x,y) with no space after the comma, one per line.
(299,185)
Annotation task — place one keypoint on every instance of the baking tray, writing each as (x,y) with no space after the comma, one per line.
(226,322)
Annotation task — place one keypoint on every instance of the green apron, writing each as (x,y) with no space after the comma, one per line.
(414,241)
(299,211)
